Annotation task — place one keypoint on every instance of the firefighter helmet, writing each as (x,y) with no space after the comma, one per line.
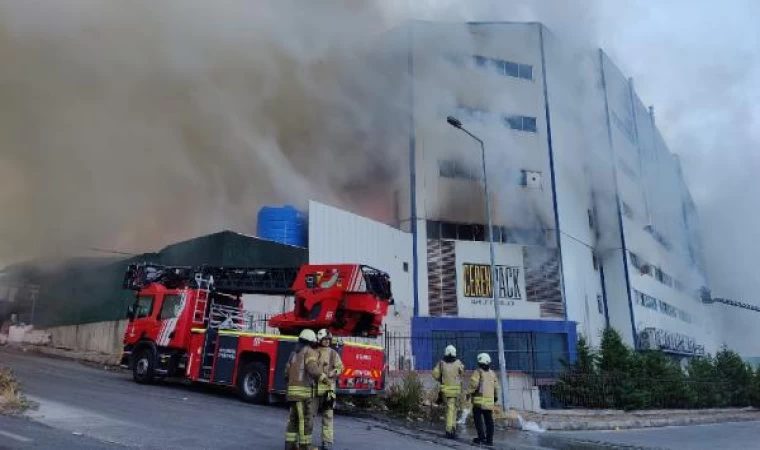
(483,358)
(323,334)
(308,336)
(450,351)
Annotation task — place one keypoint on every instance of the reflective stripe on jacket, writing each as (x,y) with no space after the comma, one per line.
(331,365)
(484,388)
(302,374)
(450,375)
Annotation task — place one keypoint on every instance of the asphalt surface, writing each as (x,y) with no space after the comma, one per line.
(84,407)
(724,436)
(87,407)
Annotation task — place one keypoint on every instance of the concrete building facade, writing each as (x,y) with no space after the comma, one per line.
(593,221)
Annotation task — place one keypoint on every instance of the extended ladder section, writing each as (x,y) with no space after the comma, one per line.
(707,297)
(227,280)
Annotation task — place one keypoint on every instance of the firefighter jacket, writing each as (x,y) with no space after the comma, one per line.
(302,373)
(450,375)
(484,388)
(332,366)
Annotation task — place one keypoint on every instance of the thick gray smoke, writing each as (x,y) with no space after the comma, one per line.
(129,125)
(699,63)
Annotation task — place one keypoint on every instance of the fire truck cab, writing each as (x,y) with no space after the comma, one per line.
(189,323)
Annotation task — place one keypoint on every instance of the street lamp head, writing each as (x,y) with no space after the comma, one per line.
(454,122)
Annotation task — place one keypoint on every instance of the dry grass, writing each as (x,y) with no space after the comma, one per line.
(12,401)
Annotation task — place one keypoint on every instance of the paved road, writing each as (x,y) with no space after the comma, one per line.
(724,436)
(110,408)
(82,407)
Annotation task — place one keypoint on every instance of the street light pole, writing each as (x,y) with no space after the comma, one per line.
(456,123)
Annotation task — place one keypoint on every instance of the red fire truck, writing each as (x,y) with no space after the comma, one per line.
(189,323)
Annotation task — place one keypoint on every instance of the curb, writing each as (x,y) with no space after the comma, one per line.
(589,424)
(101,361)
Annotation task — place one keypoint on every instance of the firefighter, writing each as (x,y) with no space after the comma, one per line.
(302,375)
(332,366)
(484,388)
(449,373)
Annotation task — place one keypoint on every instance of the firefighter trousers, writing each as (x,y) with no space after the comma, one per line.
(451,415)
(483,419)
(300,424)
(327,413)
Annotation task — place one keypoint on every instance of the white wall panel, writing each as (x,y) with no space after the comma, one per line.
(337,236)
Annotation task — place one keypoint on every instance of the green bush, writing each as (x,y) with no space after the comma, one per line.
(615,376)
(407,397)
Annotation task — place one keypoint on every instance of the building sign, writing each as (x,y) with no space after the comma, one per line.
(474,287)
(477,281)
(659,339)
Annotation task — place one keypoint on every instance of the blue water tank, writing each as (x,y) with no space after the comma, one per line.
(283,224)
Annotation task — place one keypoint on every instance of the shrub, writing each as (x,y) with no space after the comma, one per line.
(11,399)
(407,397)
(736,377)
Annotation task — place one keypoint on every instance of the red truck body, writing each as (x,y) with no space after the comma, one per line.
(189,324)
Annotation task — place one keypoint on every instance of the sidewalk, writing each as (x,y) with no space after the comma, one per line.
(574,420)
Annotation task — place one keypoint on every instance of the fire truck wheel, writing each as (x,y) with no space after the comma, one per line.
(252,383)
(143,369)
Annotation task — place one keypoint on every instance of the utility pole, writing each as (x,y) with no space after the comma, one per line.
(456,123)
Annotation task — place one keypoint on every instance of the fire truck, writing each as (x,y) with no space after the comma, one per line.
(189,323)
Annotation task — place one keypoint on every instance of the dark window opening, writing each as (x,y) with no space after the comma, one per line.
(433,229)
(405,266)
(465,233)
(448,230)
(595,261)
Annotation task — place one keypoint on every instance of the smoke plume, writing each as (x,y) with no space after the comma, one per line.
(129,125)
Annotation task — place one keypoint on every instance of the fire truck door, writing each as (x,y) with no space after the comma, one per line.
(171,308)
(226,358)
(144,324)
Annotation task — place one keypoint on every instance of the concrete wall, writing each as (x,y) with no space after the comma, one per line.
(103,337)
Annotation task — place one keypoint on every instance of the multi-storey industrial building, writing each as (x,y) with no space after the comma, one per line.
(593,222)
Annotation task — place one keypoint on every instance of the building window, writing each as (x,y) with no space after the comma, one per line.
(504,67)
(634,258)
(600,303)
(478,232)
(448,168)
(626,210)
(521,123)
(591,223)
(595,261)
(405,266)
